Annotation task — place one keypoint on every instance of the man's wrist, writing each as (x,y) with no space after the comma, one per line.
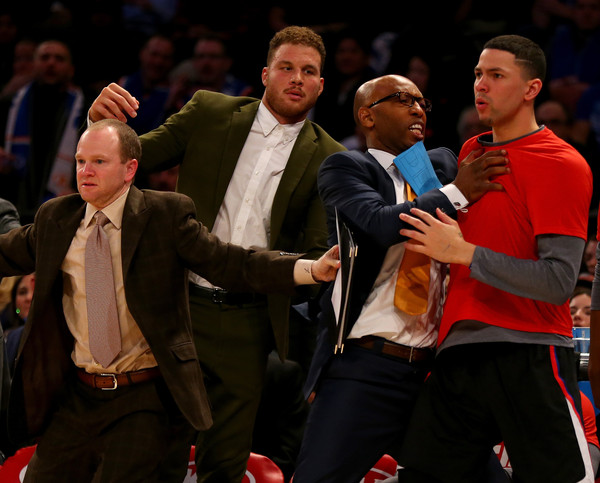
(303,272)
(455,196)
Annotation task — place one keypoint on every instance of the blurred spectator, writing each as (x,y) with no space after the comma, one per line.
(99,63)
(545,16)
(9,219)
(147,17)
(8,36)
(209,69)
(22,67)
(580,306)
(15,313)
(41,131)
(588,261)
(150,83)
(420,66)
(349,69)
(574,55)
(554,115)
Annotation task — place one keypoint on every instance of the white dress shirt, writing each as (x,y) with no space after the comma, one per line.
(379,315)
(244,217)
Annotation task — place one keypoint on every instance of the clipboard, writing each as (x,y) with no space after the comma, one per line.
(348,254)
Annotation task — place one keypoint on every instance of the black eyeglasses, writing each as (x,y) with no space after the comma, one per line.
(406,99)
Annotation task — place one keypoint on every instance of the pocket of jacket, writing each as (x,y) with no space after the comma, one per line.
(184,352)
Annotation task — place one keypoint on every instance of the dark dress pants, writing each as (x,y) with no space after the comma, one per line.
(361,410)
(233,343)
(134,433)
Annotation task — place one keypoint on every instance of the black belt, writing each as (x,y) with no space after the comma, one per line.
(220,296)
(382,346)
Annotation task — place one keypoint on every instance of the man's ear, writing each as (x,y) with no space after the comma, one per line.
(264,75)
(534,87)
(131,167)
(365,117)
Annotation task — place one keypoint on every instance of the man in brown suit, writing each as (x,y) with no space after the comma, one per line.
(122,434)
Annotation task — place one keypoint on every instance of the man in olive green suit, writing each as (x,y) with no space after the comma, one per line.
(251,168)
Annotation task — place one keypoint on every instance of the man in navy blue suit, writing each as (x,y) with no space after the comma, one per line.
(363,396)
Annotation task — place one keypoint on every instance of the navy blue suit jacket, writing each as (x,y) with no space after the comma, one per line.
(363,193)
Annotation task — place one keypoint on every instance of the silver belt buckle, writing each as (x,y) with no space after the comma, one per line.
(411,354)
(114,378)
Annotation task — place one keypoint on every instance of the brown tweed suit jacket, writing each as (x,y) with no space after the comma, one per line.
(161,240)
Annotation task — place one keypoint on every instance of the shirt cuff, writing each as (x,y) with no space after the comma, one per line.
(302,272)
(457,199)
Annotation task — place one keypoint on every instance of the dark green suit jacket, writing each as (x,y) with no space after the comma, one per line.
(161,240)
(206,137)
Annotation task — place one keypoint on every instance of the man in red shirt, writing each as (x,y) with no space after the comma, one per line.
(506,368)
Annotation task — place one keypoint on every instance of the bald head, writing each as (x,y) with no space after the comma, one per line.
(394,123)
(375,89)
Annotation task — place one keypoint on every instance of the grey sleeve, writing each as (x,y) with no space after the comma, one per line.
(595,305)
(550,279)
(595,454)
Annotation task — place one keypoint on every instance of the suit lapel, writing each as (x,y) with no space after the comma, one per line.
(241,123)
(300,157)
(386,185)
(135,218)
(58,239)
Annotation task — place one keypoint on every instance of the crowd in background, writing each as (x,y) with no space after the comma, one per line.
(163,51)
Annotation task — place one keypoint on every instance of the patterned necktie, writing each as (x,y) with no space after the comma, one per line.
(412,284)
(103,319)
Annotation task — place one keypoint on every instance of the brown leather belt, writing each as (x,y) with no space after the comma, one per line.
(382,346)
(109,382)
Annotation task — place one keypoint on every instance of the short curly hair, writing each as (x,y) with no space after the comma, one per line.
(296,35)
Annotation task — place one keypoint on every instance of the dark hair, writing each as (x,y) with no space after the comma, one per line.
(297,36)
(9,317)
(131,147)
(215,38)
(527,53)
(581,290)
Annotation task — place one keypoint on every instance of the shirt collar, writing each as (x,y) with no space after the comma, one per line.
(385,159)
(114,211)
(267,122)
